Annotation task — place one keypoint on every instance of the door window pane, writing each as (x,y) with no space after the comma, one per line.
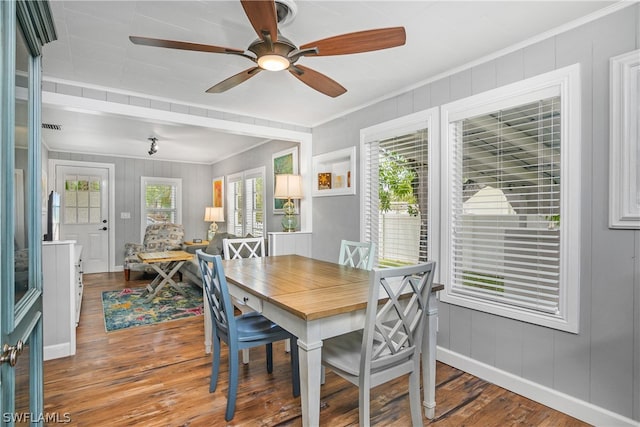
(21,175)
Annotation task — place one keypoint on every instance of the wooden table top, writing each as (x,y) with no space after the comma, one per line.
(308,288)
(167,256)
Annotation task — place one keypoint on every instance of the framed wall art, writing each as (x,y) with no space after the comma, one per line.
(218,192)
(624,167)
(285,161)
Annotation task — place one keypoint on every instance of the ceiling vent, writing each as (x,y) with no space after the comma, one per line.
(51,126)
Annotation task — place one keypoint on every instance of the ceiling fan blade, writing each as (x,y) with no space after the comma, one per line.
(262,15)
(234,80)
(317,81)
(360,41)
(173,44)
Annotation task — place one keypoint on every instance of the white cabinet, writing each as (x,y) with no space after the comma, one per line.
(61,296)
(290,243)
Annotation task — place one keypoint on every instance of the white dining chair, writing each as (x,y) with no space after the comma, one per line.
(389,346)
(243,247)
(357,254)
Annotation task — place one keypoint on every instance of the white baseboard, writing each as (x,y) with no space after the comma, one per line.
(57,351)
(559,401)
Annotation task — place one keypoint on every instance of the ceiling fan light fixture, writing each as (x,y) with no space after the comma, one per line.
(272,62)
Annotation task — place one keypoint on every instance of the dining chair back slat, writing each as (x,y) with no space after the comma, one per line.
(246,247)
(357,254)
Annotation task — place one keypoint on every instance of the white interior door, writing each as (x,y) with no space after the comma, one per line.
(84,212)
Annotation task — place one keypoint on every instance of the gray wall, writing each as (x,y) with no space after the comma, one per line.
(601,364)
(260,156)
(196,193)
(196,188)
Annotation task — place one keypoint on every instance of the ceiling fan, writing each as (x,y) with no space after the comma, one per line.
(271,51)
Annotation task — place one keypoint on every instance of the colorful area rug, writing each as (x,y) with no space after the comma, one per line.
(127,308)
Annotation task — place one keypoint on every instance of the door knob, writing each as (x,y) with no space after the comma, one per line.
(103,228)
(10,353)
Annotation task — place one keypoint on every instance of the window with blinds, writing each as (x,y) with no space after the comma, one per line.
(508,217)
(396,195)
(236,204)
(254,206)
(161,201)
(506,206)
(246,203)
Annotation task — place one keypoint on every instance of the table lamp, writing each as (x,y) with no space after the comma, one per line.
(213,215)
(288,187)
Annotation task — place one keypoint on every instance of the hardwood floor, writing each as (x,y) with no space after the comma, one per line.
(159,376)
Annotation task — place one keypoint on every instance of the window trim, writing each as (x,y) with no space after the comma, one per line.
(567,80)
(144,181)
(425,119)
(624,171)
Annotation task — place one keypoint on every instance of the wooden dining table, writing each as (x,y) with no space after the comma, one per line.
(315,300)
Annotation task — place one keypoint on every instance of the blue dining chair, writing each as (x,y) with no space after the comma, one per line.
(244,247)
(238,332)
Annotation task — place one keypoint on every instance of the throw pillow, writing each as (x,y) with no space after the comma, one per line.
(215,245)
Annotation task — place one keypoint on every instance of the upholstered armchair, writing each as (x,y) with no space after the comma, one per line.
(157,238)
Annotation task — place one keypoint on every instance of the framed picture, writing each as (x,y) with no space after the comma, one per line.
(324,181)
(285,161)
(624,168)
(218,192)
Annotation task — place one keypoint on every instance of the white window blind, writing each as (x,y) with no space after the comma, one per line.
(506,205)
(235,204)
(246,203)
(254,207)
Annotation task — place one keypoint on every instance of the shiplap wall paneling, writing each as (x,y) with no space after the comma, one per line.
(612,251)
(572,352)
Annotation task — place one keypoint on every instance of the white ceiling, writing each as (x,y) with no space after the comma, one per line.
(93,49)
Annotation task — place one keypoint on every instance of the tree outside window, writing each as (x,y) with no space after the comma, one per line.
(399,213)
(396,184)
(160,203)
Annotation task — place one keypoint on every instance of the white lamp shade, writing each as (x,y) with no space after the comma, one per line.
(212,214)
(288,187)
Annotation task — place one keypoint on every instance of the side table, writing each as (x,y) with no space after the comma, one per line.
(192,246)
(166,264)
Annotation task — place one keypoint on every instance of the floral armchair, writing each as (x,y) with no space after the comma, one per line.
(157,238)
